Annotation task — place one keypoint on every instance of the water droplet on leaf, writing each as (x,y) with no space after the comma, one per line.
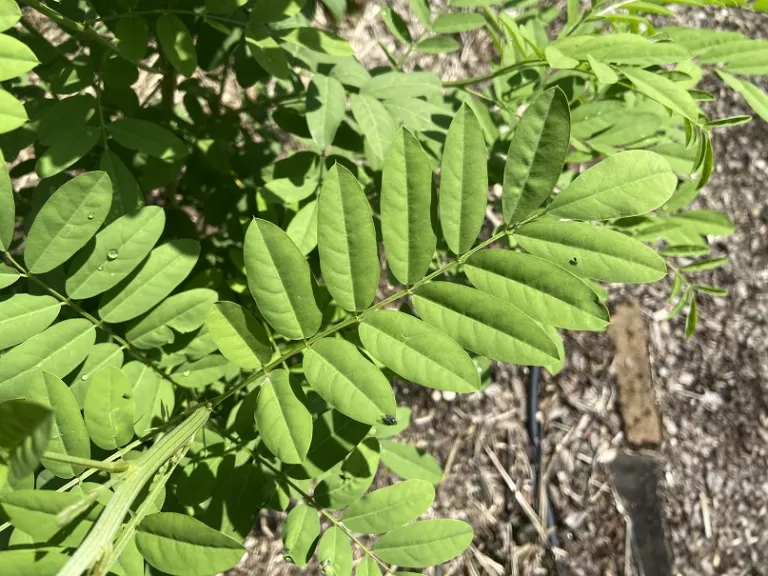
(185,373)
(84,377)
(91,215)
(112,254)
(100,268)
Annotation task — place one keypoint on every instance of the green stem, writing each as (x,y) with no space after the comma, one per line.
(114,467)
(99,539)
(494,74)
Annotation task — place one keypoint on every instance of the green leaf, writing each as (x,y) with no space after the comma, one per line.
(131,37)
(603,72)
(177,44)
(12,113)
(437,45)
(380,127)
(390,507)
(184,312)
(455,22)
(33,561)
(401,85)
(418,115)
(238,335)
(351,73)
(730,121)
(326,105)
(280,281)
(227,6)
(8,276)
(23,315)
(403,417)
(741,57)
(704,265)
(147,137)
(536,155)
(334,552)
(543,290)
(705,222)
(592,251)
(484,324)
(356,476)
(626,184)
(117,250)
(421,10)
(711,290)
(410,462)
(367,567)
(10,14)
(153,397)
(418,352)
(108,409)
(340,374)
(275,10)
(34,512)
(59,120)
(100,356)
(166,268)
(317,40)
(396,24)
(755,97)
(69,435)
(7,207)
(15,58)
(182,546)
(127,197)
(58,350)
(66,151)
(406,220)
(25,429)
(202,372)
(424,543)
(334,436)
(283,421)
(268,53)
(346,240)
(623,48)
(302,228)
(664,91)
(691,319)
(463,181)
(300,534)
(683,250)
(558,60)
(70,217)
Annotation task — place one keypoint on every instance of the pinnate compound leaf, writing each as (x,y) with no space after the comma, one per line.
(7,208)
(348,381)
(326,104)
(463,181)
(543,290)
(418,352)
(410,462)
(58,350)
(15,58)
(25,429)
(166,268)
(334,552)
(664,91)
(238,335)
(536,155)
(39,561)
(280,281)
(592,251)
(184,312)
(109,409)
(24,315)
(484,324)
(283,420)
(70,217)
(147,137)
(406,198)
(117,250)
(300,534)
(34,512)
(379,127)
(180,545)
(69,435)
(346,240)
(424,543)
(177,44)
(390,507)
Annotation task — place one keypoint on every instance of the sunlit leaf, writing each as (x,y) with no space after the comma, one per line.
(326,105)
(300,534)
(424,543)
(25,430)
(177,44)
(23,315)
(334,551)
(390,507)
(238,335)
(410,463)
(109,409)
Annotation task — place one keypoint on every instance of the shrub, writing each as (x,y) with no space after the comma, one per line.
(196,324)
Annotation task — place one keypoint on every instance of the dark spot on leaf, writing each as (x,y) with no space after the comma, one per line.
(573,261)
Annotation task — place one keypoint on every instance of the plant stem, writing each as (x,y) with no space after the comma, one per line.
(494,74)
(113,467)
